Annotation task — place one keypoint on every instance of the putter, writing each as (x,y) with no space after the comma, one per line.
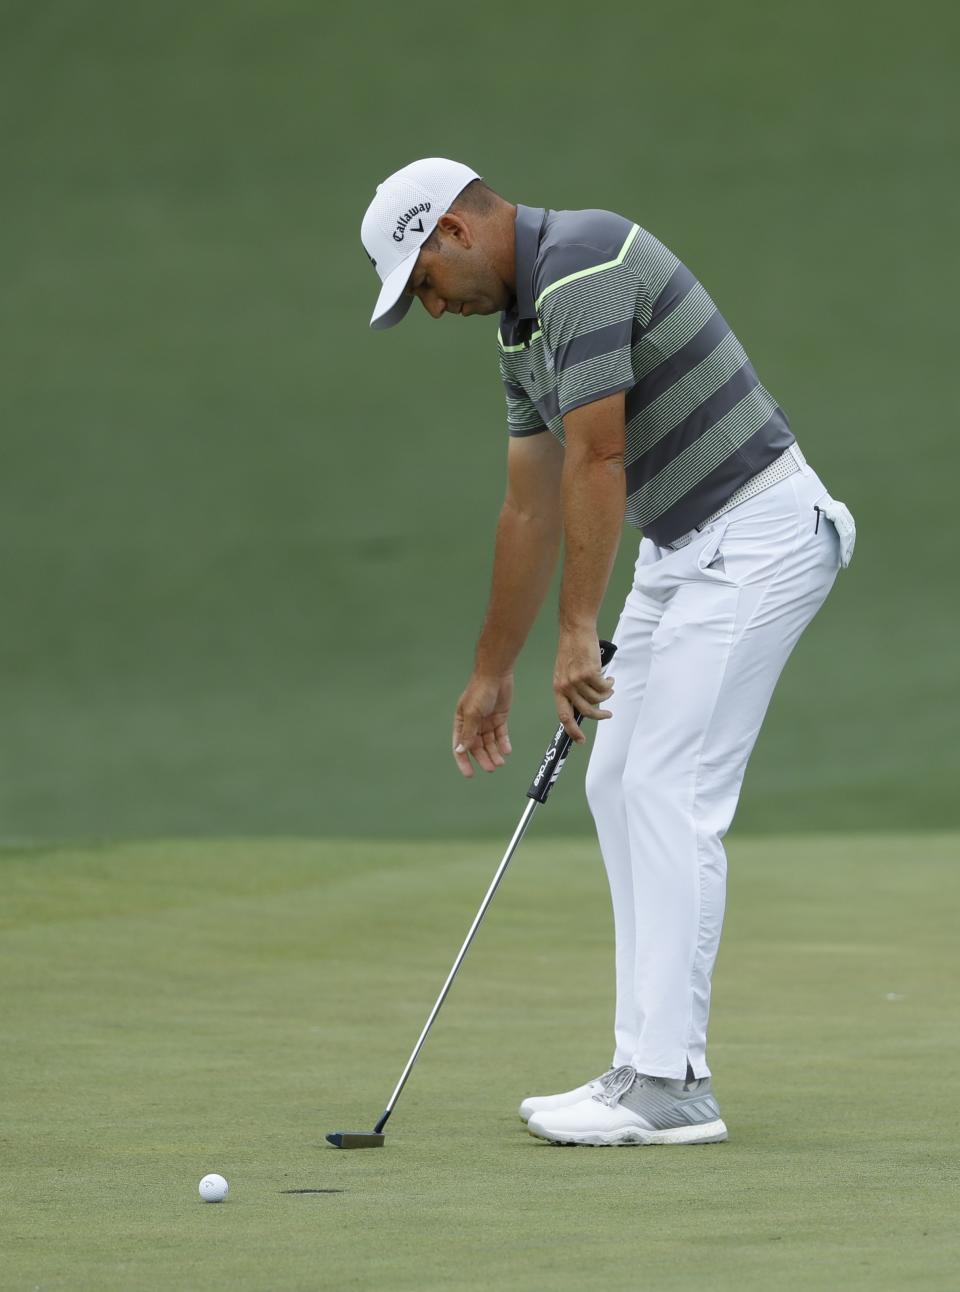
(540,787)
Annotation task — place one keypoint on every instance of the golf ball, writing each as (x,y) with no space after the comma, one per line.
(213,1188)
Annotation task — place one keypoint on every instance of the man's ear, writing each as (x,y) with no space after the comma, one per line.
(455,227)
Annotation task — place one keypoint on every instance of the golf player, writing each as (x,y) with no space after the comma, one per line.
(628,397)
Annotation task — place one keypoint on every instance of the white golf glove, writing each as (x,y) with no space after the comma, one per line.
(844,524)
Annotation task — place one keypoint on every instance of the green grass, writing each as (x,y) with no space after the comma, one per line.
(246,541)
(177,1008)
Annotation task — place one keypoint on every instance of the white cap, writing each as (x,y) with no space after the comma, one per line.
(404,212)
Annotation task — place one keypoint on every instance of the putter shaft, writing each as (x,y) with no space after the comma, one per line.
(539,790)
(494,885)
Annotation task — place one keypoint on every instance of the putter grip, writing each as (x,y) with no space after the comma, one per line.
(559,746)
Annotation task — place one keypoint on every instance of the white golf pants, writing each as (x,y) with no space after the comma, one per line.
(702,640)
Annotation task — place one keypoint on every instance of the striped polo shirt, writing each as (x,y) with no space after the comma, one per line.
(602,305)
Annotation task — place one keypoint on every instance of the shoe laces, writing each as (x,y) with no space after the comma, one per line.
(615,1084)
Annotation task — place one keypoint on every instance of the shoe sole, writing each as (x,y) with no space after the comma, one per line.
(706,1133)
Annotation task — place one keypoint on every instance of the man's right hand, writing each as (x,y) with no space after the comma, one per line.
(480,723)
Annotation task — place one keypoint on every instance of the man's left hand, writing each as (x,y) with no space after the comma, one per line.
(578,682)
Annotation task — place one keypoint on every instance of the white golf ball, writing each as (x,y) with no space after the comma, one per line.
(213,1188)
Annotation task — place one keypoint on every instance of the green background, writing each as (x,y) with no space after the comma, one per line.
(247,541)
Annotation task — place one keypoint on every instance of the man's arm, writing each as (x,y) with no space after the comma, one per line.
(525,555)
(594,501)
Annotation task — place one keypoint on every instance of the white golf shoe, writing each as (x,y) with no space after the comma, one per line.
(631,1108)
(547,1103)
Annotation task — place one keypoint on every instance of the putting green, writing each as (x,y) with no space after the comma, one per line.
(173,1009)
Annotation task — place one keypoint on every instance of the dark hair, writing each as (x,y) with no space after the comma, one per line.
(478,198)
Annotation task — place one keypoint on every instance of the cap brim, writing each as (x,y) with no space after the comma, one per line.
(392,303)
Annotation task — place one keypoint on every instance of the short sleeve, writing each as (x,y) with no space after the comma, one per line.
(522,416)
(589,324)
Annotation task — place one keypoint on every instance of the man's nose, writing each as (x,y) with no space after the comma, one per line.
(436,306)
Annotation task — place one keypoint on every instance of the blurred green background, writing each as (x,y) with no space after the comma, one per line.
(247,541)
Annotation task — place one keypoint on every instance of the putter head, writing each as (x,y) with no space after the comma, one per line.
(355,1139)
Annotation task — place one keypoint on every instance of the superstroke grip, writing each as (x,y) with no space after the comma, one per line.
(559,746)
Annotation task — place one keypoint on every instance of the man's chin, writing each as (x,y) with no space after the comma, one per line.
(479,307)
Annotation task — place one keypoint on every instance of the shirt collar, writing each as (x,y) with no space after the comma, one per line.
(529,225)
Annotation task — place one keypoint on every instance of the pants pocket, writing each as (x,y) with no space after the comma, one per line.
(710,558)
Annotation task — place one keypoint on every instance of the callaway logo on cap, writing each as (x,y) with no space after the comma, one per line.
(404,212)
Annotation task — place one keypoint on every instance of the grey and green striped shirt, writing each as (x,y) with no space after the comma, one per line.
(602,305)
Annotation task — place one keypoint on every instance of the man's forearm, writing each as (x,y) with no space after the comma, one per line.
(525,555)
(594,500)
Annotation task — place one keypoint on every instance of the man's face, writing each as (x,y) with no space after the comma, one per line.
(457,279)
